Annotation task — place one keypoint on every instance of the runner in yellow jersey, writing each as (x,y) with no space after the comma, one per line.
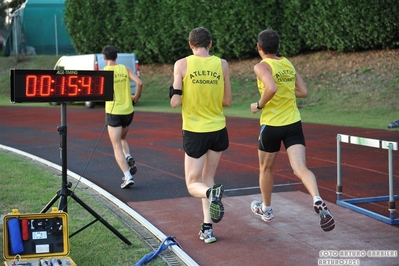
(119,113)
(279,85)
(202,87)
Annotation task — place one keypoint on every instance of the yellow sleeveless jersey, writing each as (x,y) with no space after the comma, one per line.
(281,110)
(122,103)
(203,92)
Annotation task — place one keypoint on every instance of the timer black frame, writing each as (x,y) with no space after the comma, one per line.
(31,85)
(64,86)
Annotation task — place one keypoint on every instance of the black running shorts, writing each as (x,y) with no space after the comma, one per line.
(119,120)
(197,144)
(270,137)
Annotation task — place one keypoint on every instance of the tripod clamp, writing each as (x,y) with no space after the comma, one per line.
(62,130)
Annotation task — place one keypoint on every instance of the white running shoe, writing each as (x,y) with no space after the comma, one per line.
(127,182)
(206,235)
(216,208)
(256,207)
(327,222)
(132,165)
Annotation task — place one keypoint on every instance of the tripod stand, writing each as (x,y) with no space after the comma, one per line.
(64,192)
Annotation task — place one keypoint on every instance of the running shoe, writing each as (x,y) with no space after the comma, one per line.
(256,207)
(127,182)
(132,164)
(216,208)
(327,222)
(207,235)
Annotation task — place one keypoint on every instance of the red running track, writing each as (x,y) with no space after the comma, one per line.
(160,195)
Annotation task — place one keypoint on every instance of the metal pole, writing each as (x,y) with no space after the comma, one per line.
(390,165)
(15,36)
(56,34)
(64,186)
(339,183)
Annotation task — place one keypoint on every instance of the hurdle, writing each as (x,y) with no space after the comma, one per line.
(350,203)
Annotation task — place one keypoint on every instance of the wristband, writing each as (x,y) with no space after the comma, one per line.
(257,106)
(172,91)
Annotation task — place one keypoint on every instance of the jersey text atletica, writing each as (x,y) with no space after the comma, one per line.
(280,78)
(205,74)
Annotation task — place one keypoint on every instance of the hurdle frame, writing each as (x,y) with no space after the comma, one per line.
(350,203)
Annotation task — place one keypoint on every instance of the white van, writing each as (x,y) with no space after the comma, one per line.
(96,62)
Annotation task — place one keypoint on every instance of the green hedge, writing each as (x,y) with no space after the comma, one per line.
(158,30)
(351,25)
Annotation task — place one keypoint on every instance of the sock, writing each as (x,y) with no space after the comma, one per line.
(208,192)
(128,175)
(206,226)
(317,199)
(127,155)
(266,208)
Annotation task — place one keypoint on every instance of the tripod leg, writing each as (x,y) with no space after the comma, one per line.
(99,218)
(65,192)
(51,203)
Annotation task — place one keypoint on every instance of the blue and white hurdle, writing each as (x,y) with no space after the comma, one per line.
(350,203)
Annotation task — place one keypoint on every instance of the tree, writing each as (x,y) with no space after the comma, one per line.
(7,8)
(3,14)
(15,4)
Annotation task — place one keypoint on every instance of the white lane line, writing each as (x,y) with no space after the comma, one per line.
(257,187)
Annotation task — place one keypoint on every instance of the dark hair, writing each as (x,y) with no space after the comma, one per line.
(110,52)
(269,41)
(200,37)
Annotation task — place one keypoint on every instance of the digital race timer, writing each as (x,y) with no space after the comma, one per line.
(29,85)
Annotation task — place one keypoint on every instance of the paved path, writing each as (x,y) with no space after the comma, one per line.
(160,195)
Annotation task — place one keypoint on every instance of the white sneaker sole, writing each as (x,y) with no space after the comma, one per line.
(127,184)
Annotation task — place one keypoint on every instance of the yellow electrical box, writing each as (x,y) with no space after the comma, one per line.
(40,239)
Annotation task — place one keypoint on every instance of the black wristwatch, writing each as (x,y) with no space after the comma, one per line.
(257,106)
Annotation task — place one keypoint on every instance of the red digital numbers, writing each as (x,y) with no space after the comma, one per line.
(99,85)
(73,85)
(63,85)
